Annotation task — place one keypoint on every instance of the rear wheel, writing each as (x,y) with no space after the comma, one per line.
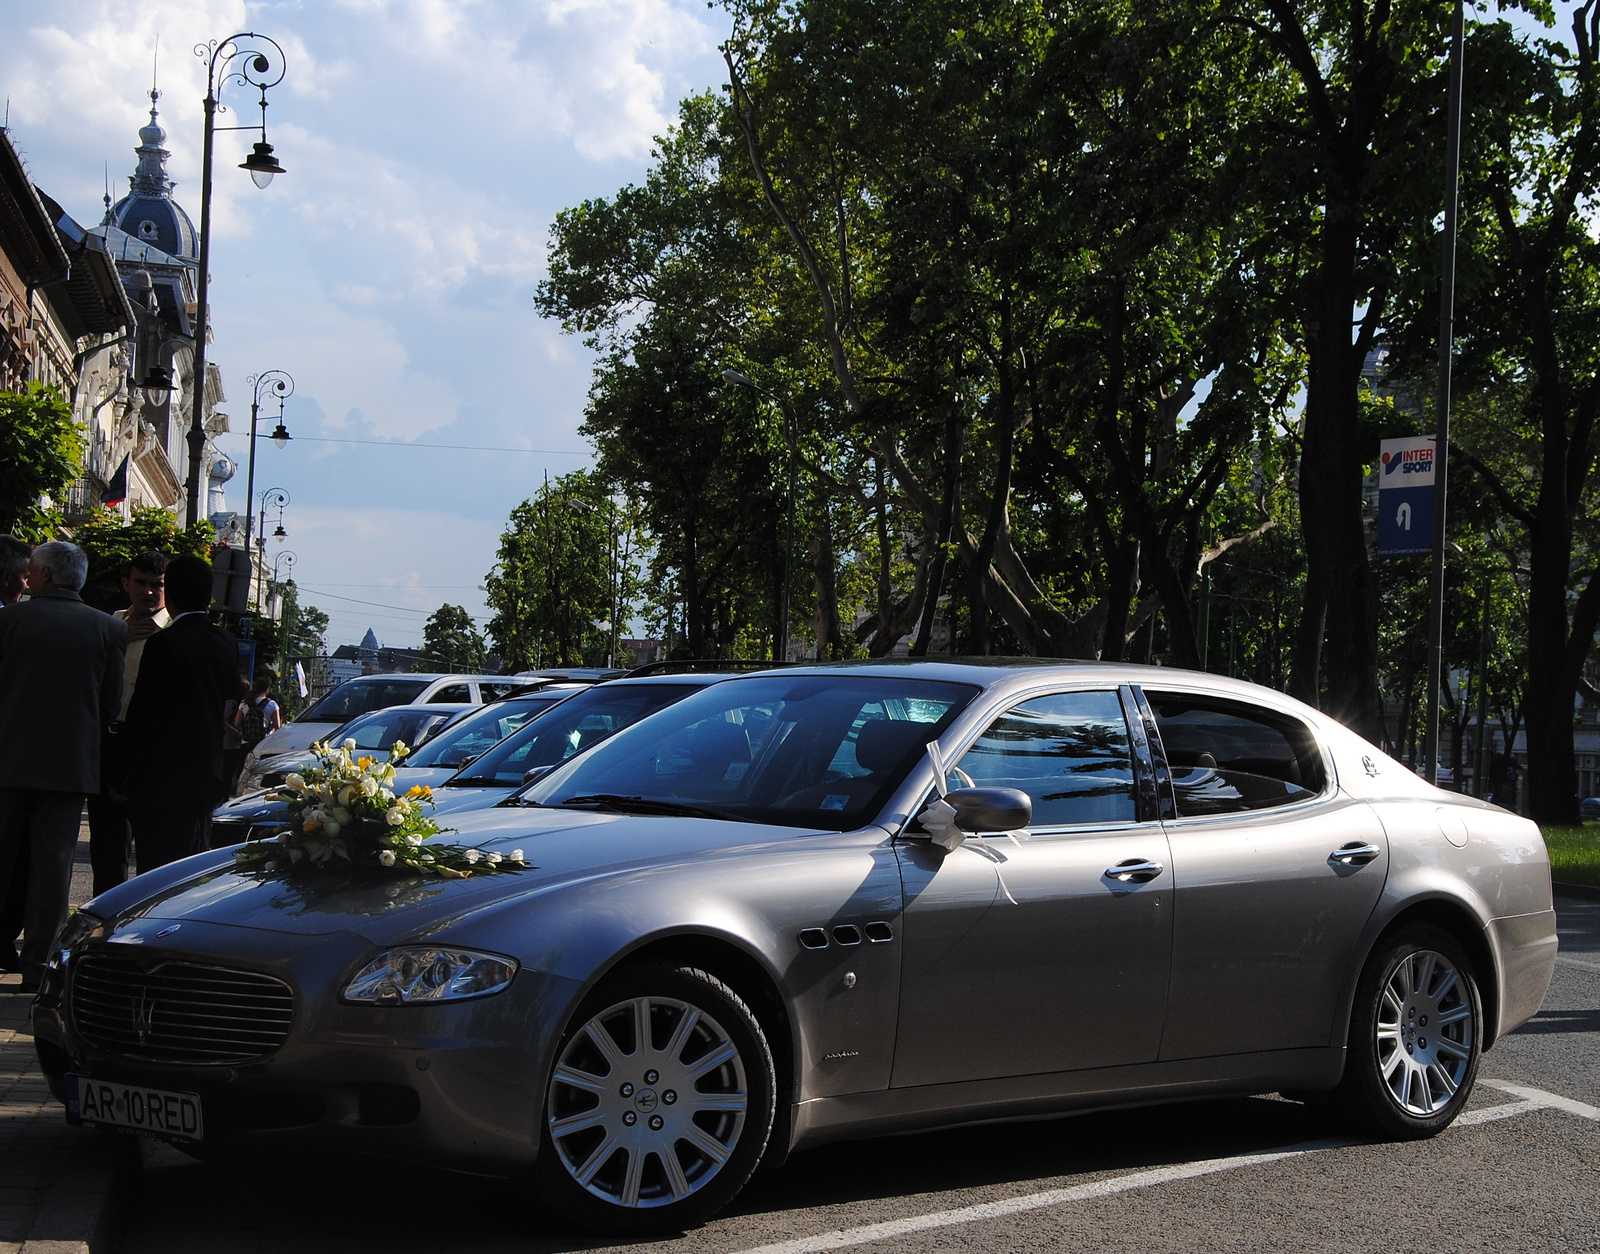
(1416,1034)
(659,1105)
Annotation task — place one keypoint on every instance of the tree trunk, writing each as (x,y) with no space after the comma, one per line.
(1336,646)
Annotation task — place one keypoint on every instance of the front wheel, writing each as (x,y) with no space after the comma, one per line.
(1416,1033)
(659,1105)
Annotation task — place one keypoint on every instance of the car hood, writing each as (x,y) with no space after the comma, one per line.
(293,738)
(560,847)
(452,800)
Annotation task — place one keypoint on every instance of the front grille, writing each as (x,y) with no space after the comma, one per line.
(171,1011)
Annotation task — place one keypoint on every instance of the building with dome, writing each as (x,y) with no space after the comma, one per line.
(154,246)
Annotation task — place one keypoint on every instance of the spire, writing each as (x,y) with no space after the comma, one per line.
(151,176)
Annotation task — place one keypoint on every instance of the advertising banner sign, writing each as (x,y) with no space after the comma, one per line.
(1405,496)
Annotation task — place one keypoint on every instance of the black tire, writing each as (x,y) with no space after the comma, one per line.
(1412,1057)
(590,1165)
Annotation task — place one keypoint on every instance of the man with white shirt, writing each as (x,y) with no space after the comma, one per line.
(110,834)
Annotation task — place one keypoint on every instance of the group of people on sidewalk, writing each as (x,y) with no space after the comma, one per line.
(127,711)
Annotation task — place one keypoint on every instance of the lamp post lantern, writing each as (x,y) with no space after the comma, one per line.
(278,383)
(251,60)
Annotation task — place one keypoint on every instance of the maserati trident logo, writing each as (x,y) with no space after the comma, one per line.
(143,1011)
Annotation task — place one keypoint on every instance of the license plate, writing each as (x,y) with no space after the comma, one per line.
(134,1107)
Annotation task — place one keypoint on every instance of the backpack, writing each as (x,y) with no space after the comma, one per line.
(253,730)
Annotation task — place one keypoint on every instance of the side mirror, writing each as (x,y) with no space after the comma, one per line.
(533,773)
(990,809)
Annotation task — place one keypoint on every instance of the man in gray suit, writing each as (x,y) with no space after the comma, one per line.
(60,684)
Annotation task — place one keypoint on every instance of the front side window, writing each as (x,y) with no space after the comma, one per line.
(478,733)
(361,697)
(1068,751)
(455,694)
(1228,758)
(578,723)
(803,750)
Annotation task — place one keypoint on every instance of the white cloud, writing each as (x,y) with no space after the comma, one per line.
(427,145)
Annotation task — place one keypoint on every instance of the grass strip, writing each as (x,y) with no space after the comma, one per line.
(1574,853)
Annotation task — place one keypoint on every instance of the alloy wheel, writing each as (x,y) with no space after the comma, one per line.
(647,1102)
(1424,1032)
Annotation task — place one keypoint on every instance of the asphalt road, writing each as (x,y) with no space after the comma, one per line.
(1517,1172)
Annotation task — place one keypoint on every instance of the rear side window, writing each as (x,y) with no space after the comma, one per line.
(1230,758)
(1068,751)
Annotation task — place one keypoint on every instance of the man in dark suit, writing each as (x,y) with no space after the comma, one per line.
(174,724)
(60,684)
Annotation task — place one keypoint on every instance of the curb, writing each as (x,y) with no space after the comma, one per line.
(82,1214)
(1583,892)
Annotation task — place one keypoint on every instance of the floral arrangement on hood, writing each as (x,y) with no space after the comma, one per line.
(347,810)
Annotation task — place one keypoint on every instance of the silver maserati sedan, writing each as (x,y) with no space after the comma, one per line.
(830,902)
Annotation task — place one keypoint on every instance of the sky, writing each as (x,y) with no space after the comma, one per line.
(428,146)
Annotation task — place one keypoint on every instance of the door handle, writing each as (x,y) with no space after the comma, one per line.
(1354,854)
(1134,871)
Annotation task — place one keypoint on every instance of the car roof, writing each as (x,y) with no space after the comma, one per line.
(1012,672)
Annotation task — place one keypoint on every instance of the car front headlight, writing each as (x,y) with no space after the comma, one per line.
(79,927)
(420,974)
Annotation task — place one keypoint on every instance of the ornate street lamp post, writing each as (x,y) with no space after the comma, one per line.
(272,498)
(283,561)
(278,383)
(259,65)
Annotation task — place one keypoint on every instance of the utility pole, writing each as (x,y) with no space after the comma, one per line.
(1441,443)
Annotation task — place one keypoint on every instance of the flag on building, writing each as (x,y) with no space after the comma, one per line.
(117,490)
(300,677)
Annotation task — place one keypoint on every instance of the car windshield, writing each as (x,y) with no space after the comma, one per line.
(362,696)
(578,723)
(382,728)
(481,730)
(798,750)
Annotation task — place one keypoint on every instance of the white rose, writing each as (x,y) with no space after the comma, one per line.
(516,855)
(386,857)
(369,787)
(472,857)
(494,859)
(395,816)
(295,781)
(341,816)
(331,826)
(349,743)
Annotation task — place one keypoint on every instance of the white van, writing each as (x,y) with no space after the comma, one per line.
(377,692)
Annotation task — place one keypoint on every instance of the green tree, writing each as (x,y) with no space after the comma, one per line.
(451,642)
(552,585)
(1524,443)
(41,451)
(299,639)
(111,543)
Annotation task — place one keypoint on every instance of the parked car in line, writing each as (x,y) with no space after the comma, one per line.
(584,717)
(366,693)
(1589,809)
(376,731)
(828,902)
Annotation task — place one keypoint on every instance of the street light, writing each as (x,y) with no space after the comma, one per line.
(275,595)
(260,65)
(272,498)
(277,383)
(745,381)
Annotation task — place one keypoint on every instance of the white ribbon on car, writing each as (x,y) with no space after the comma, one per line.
(938,817)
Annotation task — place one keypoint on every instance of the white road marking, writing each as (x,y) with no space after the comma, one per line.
(840,1238)
(1492,1114)
(1566,961)
(1552,1101)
